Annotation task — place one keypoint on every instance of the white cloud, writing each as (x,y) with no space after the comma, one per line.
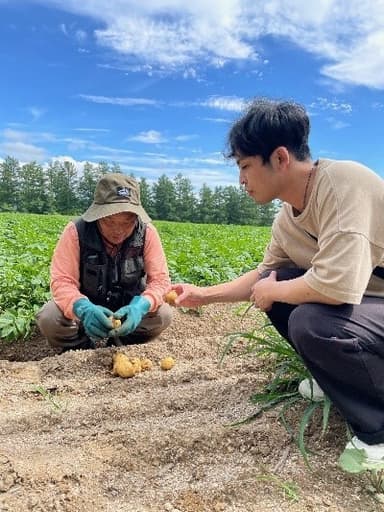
(358,67)
(216,119)
(101,130)
(22,145)
(230,103)
(78,164)
(175,35)
(23,151)
(126,102)
(80,35)
(149,137)
(18,144)
(211,169)
(322,103)
(63,29)
(185,138)
(36,112)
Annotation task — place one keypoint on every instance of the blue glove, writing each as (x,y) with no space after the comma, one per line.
(95,319)
(133,314)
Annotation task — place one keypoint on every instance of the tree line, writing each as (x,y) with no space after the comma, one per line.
(59,188)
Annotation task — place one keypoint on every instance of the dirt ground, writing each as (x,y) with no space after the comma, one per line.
(161,441)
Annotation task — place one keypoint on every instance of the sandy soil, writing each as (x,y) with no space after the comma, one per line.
(161,441)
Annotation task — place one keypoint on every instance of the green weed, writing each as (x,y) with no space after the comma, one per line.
(290,489)
(47,395)
(289,370)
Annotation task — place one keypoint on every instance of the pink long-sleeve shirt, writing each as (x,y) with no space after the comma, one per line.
(65,270)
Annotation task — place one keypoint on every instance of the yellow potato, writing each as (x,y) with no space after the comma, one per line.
(136,363)
(146,364)
(170,297)
(116,322)
(122,366)
(167,363)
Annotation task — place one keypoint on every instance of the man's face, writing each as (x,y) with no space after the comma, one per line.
(116,228)
(257,178)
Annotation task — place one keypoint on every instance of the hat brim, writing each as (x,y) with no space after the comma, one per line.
(99,211)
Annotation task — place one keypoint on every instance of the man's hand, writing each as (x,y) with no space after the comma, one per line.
(188,295)
(131,315)
(95,319)
(261,292)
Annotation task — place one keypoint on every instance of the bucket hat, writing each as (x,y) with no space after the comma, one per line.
(115,193)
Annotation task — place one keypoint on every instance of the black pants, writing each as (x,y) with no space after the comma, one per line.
(343,348)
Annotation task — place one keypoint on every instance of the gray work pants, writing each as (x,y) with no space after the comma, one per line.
(61,332)
(343,348)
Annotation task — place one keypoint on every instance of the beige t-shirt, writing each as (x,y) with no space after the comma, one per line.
(339,237)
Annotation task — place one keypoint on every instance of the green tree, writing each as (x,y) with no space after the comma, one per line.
(164,199)
(267,213)
(62,179)
(232,205)
(103,168)
(249,209)
(219,209)
(185,200)
(33,190)
(9,176)
(205,205)
(146,197)
(115,167)
(86,185)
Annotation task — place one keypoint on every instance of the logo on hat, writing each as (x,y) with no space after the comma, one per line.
(124,192)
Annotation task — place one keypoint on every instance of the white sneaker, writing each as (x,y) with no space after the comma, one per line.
(373,452)
(309,389)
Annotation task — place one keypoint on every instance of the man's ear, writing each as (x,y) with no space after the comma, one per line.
(280,157)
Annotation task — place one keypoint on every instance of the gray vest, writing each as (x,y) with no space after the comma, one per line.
(111,281)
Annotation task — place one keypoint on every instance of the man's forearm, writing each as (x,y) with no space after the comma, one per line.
(297,291)
(238,290)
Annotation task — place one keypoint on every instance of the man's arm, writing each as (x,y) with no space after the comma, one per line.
(238,290)
(294,291)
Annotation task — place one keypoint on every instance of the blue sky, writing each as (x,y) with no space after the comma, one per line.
(154,85)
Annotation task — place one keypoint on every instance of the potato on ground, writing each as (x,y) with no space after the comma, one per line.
(125,366)
(146,364)
(136,363)
(122,365)
(167,363)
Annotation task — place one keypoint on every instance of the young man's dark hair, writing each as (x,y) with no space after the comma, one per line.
(268,124)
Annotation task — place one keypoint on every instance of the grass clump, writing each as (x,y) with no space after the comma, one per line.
(282,390)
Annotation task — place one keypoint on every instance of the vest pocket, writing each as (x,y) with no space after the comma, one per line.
(95,279)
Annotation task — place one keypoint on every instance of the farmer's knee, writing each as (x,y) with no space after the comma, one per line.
(154,323)
(53,324)
(46,318)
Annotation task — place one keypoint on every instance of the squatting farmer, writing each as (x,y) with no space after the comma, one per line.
(108,264)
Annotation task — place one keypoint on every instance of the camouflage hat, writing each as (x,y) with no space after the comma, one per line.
(115,193)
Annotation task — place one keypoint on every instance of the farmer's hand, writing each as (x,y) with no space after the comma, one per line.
(261,294)
(95,319)
(131,315)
